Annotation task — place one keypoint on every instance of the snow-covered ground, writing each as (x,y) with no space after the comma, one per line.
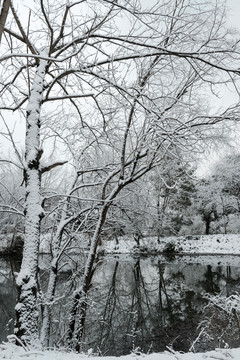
(191,244)
(12,352)
(195,244)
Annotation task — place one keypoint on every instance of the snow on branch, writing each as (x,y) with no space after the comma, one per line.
(11,162)
(20,27)
(196,56)
(11,210)
(68,96)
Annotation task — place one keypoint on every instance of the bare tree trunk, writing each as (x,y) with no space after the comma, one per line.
(26,327)
(3,16)
(207,224)
(75,330)
(159,219)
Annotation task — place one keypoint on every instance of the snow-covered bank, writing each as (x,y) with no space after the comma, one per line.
(196,244)
(12,352)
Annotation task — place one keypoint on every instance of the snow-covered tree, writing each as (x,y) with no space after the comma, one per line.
(11,200)
(172,190)
(93,76)
(217,197)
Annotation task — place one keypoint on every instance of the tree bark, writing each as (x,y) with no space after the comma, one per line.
(26,327)
(3,16)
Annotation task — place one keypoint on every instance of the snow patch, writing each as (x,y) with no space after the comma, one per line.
(25,278)
(10,351)
(199,244)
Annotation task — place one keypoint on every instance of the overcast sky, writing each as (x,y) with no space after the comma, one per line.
(234,13)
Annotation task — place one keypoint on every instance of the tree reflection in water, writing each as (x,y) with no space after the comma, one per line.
(149,304)
(133,304)
(8,295)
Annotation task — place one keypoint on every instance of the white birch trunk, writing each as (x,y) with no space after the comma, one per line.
(26,327)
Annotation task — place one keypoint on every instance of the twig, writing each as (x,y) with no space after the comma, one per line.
(173,352)
(13,338)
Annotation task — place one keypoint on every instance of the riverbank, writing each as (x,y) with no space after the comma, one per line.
(195,245)
(217,244)
(13,352)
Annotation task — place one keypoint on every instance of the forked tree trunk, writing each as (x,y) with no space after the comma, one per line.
(26,327)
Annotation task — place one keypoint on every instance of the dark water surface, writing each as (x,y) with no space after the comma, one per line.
(140,303)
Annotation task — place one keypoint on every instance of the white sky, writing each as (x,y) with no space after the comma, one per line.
(234,6)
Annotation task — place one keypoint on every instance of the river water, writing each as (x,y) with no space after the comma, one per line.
(144,304)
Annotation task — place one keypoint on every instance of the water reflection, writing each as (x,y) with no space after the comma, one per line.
(8,295)
(150,304)
(144,304)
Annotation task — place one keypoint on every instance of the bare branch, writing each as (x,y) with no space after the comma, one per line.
(25,37)
(12,196)
(3,16)
(139,55)
(12,33)
(18,106)
(52,166)
(13,143)
(11,162)
(11,210)
(61,32)
(69,96)
(48,23)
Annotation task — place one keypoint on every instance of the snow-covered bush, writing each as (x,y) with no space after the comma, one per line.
(220,327)
(234,224)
